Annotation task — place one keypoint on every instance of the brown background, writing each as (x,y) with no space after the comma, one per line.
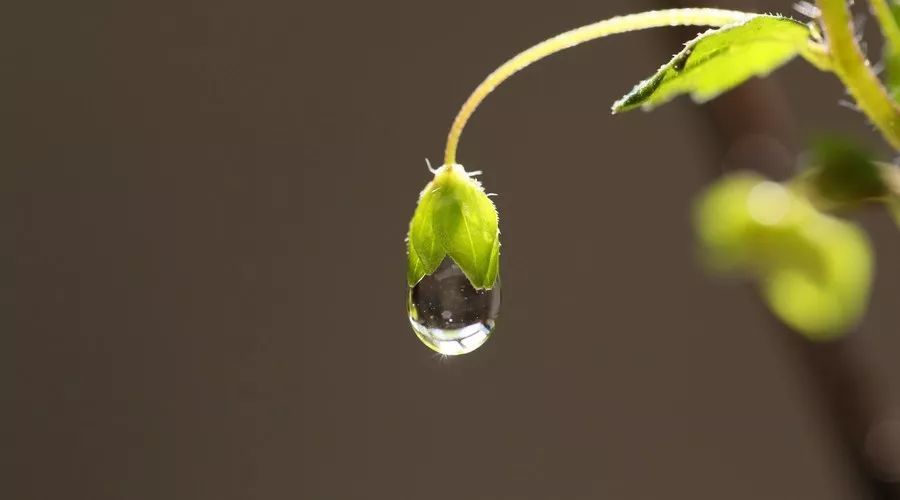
(209,200)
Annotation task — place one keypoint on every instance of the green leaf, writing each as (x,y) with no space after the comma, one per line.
(843,174)
(424,250)
(820,285)
(466,221)
(720,59)
(814,271)
(456,218)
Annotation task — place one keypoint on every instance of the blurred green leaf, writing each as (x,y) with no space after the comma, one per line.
(843,173)
(892,71)
(720,59)
(456,218)
(890,174)
(814,270)
(894,209)
(826,295)
(722,222)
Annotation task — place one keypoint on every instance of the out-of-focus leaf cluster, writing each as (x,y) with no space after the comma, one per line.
(841,174)
(813,270)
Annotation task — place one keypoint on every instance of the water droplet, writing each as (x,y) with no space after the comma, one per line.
(448,314)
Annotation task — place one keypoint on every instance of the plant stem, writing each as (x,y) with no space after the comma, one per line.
(612,26)
(889,29)
(851,66)
(847,386)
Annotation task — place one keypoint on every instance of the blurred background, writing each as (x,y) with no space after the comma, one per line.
(208,206)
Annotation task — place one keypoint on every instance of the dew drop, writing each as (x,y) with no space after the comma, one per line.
(448,314)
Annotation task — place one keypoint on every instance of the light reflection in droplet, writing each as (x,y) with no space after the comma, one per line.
(448,314)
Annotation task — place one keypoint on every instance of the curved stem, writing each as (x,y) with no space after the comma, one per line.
(851,66)
(611,26)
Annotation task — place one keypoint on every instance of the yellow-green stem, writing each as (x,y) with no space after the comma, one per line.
(886,22)
(612,26)
(851,66)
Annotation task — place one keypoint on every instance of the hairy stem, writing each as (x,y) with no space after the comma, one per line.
(612,26)
(851,66)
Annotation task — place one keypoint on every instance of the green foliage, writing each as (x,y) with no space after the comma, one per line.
(891,50)
(424,251)
(841,173)
(892,71)
(720,59)
(814,271)
(454,217)
(823,300)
